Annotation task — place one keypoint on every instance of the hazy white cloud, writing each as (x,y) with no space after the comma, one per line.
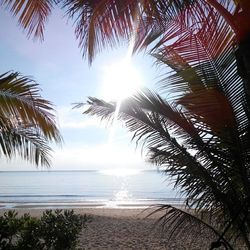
(69,118)
(87,157)
(15,164)
(102,156)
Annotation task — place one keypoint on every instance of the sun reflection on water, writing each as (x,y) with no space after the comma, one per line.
(122,194)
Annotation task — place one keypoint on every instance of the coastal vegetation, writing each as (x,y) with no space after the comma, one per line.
(58,230)
(197,127)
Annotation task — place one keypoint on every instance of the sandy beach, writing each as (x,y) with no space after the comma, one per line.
(113,228)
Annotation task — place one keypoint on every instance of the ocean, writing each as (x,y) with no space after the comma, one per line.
(106,188)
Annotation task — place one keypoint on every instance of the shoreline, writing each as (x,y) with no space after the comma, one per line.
(88,204)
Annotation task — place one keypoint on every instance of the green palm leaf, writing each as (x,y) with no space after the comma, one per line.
(26,120)
(152,123)
(186,224)
(27,143)
(108,22)
(32,14)
(20,99)
(197,158)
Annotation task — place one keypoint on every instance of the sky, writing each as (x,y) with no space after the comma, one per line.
(65,77)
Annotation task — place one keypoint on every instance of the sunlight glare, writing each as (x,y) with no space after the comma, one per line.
(123,195)
(120,80)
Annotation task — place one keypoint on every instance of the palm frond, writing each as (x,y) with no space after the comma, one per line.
(202,57)
(111,22)
(20,99)
(153,128)
(187,224)
(205,149)
(206,174)
(26,142)
(32,14)
(27,124)
(205,75)
(101,22)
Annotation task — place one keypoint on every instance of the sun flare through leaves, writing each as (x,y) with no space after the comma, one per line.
(120,80)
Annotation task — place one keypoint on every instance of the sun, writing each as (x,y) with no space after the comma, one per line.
(120,80)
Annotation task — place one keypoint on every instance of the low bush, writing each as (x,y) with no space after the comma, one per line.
(53,231)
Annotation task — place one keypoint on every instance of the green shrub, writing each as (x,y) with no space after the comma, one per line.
(60,230)
(54,230)
(10,226)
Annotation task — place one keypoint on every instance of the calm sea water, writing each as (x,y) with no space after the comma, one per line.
(84,188)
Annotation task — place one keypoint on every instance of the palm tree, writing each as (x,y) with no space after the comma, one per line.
(102,23)
(204,158)
(106,23)
(199,136)
(27,123)
(206,44)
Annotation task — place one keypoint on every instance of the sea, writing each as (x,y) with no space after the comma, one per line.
(88,188)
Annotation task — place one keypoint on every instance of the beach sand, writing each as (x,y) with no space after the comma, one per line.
(113,228)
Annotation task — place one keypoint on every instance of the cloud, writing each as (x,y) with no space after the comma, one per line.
(69,118)
(102,156)
(116,156)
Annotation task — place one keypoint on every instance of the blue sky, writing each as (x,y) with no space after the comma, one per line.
(65,78)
